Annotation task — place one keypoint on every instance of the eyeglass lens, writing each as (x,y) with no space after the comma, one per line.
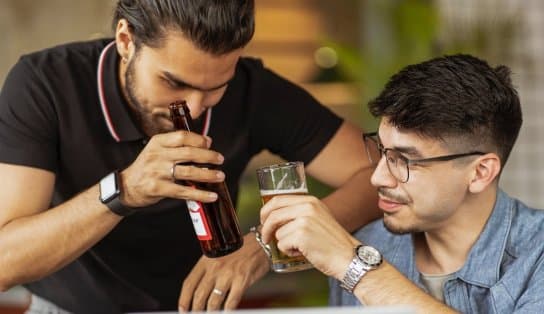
(396,164)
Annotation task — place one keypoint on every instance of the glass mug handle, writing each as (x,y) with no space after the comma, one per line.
(265,246)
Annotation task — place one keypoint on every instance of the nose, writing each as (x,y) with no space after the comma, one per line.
(195,102)
(382,177)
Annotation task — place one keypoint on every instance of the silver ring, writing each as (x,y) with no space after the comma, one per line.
(218,292)
(172,171)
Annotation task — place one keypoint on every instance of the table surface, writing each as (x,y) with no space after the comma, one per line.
(316,310)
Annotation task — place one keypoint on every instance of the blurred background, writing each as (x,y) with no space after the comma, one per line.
(343,52)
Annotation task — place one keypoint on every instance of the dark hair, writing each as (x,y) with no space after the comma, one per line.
(459,98)
(215,26)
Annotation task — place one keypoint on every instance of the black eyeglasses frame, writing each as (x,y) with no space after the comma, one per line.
(373,136)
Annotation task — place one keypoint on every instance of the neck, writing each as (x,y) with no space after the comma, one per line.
(444,250)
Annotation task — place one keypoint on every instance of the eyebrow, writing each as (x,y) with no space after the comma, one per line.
(182,83)
(406,150)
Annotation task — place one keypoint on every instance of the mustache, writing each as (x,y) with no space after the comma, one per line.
(392,196)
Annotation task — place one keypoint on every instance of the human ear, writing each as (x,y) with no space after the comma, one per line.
(124,40)
(486,171)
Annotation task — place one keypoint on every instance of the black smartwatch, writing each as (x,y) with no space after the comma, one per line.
(109,194)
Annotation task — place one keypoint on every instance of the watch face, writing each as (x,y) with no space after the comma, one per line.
(108,188)
(369,255)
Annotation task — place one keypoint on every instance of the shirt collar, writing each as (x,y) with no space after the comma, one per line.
(484,259)
(115,108)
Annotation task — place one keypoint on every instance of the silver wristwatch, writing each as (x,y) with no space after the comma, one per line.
(366,259)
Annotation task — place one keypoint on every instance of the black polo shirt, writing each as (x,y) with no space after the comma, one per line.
(62,110)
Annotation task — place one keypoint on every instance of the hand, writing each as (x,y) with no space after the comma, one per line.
(231,274)
(149,178)
(304,225)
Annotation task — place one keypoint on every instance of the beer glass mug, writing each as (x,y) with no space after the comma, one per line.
(282,179)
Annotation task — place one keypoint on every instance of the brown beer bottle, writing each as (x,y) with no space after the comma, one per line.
(216,224)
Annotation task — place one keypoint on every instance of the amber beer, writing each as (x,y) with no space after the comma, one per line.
(268,195)
(216,224)
(276,180)
(282,262)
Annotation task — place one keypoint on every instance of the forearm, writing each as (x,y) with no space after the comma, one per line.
(387,286)
(34,246)
(355,203)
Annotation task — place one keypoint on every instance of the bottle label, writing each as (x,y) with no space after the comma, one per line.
(202,228)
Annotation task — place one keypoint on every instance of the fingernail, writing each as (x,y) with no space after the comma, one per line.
(209,140)
(212,196)
(220,175)
(220,158)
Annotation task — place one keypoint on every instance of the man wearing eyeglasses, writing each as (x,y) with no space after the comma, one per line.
(450,239)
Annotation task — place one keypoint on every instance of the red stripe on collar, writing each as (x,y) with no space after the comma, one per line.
(103,105)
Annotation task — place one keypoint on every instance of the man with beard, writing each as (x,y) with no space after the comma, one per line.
(73,115)
(449,239)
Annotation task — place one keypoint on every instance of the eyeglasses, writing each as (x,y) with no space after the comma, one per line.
(398,165)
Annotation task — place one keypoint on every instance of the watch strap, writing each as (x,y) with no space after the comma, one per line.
(356,271)
(118,208)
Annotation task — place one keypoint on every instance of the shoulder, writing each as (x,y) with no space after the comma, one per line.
(522,267)
(79,48)
(65,58)
(527,229)
(259,76)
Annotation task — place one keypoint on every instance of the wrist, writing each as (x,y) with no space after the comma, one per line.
(343,262)
(110,194)
(365,259)
(257,249)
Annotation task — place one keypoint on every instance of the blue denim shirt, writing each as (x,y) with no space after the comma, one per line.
(504,270)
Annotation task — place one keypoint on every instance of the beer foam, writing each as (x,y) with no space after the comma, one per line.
(284,191)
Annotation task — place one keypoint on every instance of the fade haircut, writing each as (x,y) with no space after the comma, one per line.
(214,26)
(459,100)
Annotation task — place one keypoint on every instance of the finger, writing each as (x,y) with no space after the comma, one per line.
(290,237)
(189,286)
(274,221)
(298,209)
(283,201)
(218,295)
(172,190)
(193,173)
(201,294)
(235,294)
(222,282)
(181,138)
(183,154)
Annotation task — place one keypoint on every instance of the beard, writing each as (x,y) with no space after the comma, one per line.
(396,229)
(148,121)
(389,219)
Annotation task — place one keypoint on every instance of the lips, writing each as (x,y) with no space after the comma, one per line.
(389,206)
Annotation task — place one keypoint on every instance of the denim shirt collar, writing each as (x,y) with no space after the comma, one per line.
(483,262)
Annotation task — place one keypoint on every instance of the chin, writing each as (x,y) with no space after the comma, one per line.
(398,228)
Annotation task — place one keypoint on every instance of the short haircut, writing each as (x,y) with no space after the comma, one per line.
(214,26)
(459,98)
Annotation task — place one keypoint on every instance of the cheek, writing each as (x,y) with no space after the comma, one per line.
(436,196)
(144,88)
